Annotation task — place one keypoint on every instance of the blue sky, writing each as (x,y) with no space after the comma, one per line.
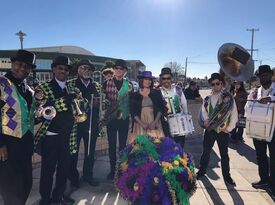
(153,31)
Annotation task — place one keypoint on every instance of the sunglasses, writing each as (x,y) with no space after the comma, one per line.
(119,68)
(213,84)
(168,78)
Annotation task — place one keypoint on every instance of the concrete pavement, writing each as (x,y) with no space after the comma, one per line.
(211,189)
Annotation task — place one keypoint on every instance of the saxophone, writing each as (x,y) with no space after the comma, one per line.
(113,111)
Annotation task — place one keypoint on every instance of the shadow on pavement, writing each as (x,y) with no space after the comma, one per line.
(211,190)
(245,151)
(237,199)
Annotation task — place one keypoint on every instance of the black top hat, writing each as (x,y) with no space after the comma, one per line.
(85,62)
(263,69)
(121,63)
(146,74)
(165,70)
(215,76)
(61,60)
(25,57)
(192,82)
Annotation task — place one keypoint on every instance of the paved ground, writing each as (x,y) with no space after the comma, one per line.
(211,189)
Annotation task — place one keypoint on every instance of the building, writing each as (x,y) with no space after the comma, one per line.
(45,55)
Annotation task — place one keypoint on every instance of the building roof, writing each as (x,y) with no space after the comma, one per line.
(62,49)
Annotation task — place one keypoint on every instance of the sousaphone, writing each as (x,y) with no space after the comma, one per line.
(236,62)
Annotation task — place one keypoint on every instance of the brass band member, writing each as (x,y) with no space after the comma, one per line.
(117,90)
(219,103)
(264,94)
(56,138)
(84,83)
(107,71)
(17,128)
(174,97)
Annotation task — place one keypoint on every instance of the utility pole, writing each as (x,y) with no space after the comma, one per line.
(252,49)
(185,79)
(252,41)
(21,37)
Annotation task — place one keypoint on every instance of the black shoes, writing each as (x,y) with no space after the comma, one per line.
(200,174)
(111,175)
(229,181)
(260,184)
(66,200)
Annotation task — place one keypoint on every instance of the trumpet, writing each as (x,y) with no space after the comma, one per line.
(47,113)
(80,116)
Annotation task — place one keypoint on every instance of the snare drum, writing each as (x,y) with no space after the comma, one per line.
(180,124)
(260,121)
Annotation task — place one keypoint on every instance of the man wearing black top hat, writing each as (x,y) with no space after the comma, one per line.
(55,139)
(17,128)
(265,94)
(117,93)
(84,83)
(211,104)
(175,101)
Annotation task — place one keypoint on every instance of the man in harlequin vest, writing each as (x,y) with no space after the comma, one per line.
(84,83)
(56,139)
(211,104)
(116,89)
(16,132)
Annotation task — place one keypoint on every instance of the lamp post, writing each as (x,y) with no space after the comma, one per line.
(21,37)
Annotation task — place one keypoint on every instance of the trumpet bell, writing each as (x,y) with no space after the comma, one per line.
(236,62)
(81,118)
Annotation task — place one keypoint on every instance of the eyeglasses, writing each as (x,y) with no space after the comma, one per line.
(217,84)
(119,67)
(85,67)
(168,78)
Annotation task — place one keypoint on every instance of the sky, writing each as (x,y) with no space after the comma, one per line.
(153,31)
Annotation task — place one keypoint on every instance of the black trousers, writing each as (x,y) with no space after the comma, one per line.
(83,132)
(180,140)
(266,170)
(16,172)
(237,133)
(122,128)
(55,157)
(209,139)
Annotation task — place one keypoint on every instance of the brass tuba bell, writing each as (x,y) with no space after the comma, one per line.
(235,62)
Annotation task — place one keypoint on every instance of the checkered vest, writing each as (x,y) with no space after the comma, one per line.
(60,106)
(16,119)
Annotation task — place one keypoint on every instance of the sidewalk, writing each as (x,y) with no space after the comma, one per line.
(211,189)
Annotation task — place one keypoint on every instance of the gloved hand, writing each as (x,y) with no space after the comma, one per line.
(70,97)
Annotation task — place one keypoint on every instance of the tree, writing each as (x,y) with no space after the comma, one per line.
(176,69)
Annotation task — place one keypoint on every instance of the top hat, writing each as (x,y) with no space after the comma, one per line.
(146,74)
(164,71)
(192,82)
(121,63)
(86,62)
(61,60)
(215,76)
(108,68)
(25,57)
(263,69)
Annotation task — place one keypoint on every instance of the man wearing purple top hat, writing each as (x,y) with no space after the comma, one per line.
(16,132)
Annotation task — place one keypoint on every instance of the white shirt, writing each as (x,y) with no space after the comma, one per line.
(62,84)
(172,93)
